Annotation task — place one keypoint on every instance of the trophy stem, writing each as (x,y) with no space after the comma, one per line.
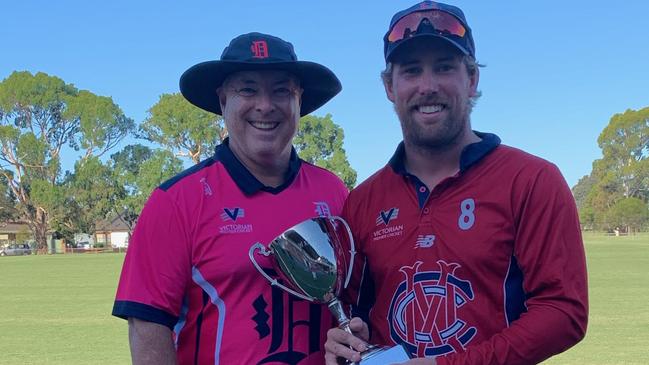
(337,310)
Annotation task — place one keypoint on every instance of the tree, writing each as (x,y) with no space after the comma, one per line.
(320,141)
(8,211)
(23,235)
(597,193)
(582,188)
(139,169)
(631,213)
(625,146)
(622,172)
(183,128)
(91,193)
(40,115)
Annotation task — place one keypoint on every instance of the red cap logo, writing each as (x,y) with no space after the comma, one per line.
(259,49)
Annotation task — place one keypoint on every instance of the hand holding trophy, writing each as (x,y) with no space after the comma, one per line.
(309,257)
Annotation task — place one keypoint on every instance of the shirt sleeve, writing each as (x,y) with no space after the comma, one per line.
(550,253)
(157,266)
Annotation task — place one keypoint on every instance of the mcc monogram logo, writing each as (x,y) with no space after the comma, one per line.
(423,311)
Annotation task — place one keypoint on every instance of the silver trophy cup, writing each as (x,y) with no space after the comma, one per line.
(311,259)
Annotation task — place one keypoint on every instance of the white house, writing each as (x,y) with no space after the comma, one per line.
(112,232)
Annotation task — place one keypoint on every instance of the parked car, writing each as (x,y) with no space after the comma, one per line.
(84,245)
(16,250)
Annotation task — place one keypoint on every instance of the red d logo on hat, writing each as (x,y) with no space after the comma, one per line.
(259,49)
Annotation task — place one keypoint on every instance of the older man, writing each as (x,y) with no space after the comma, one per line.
(188,288)
(471,250)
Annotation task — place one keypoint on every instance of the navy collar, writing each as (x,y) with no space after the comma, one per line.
(244,179)
(470,154)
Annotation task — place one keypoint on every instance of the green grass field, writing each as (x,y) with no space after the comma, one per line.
(618,325)
(56,309)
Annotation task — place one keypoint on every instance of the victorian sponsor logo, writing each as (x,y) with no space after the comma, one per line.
(385,216)
(387,232)
(236,228)
(232,214)
(383,219)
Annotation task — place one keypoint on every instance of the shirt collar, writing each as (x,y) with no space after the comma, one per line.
(244,179)
(470,154)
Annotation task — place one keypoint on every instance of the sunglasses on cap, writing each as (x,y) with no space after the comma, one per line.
(441,21)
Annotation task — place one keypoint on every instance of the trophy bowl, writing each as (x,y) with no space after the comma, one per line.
(311,259)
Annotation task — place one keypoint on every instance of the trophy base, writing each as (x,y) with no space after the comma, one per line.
(382,355)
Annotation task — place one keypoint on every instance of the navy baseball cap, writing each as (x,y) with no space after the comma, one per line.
(258,51)
(429,19)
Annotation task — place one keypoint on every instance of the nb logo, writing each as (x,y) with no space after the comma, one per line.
(259,49)
(386,216)
(232,214)
(425,241)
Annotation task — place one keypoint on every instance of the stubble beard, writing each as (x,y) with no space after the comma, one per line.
(443,136)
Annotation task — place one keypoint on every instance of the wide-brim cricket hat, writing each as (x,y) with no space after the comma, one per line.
(258,51)
(429,19)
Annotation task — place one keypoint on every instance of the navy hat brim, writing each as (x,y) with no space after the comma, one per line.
(199,83)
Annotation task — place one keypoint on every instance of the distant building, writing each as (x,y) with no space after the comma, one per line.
(111,232)
(12,231)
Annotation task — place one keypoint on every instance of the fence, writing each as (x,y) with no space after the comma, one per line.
(95,250)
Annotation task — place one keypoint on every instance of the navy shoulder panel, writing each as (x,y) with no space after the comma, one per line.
(199,166)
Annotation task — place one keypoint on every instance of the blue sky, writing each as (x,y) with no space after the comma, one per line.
(556,71)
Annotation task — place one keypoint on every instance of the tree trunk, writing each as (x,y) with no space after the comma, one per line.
(39,227)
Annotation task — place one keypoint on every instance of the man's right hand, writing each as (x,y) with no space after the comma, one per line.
(342,344)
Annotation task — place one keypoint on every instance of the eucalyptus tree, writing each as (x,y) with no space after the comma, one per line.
(619,180)
(139,169)
(183,128)
(320,141)
(43,120)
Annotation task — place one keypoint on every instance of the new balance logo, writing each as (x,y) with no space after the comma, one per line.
(232,214)
(425,241)
(386,216)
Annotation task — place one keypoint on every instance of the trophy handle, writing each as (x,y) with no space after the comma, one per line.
(352,251)
(266,252)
